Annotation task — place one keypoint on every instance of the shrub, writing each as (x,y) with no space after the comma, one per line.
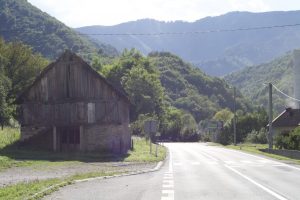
(257,137)
(289,141)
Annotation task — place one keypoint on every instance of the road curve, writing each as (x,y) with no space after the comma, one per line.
(196,171)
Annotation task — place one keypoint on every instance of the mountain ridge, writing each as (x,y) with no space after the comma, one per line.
(21,21)
(219,52)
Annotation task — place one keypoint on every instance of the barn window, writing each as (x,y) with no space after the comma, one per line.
(91,113)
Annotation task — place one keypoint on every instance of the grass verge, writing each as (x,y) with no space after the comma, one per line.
(27,190)
(13,156)
(254,148)
(141,152)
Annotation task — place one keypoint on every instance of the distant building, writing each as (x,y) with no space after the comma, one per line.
(71,107)
(286,121)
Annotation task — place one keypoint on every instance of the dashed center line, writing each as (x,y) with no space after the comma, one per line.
(168,182)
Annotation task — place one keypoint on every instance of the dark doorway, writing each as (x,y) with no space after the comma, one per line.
(69,138)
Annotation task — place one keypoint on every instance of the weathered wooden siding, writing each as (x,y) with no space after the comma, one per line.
(70,94)
(67,81)
(76,113)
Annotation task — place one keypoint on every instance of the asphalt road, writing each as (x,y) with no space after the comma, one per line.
(195,171)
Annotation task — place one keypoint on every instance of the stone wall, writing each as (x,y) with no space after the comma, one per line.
(106,138)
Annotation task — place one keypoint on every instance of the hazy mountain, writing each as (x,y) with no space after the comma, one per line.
(19,20)
(217,53)
(251,81)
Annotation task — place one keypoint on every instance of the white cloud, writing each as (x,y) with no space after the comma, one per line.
(77,13)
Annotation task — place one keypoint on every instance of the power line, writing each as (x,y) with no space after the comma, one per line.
(177,33)
(194,32)
(285,94)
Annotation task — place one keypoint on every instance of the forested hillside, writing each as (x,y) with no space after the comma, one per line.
(251,81)
(181,85)
(217,53)
(190,89)
(20,21)
(164,87)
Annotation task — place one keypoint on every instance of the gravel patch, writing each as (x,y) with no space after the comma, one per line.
(26,174)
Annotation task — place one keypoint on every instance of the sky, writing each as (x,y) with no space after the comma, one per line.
(78,13)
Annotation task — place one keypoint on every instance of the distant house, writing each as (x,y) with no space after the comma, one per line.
(286,121)
(71,107)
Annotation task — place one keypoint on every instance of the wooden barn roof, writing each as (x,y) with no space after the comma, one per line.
(69,56)
(288,118)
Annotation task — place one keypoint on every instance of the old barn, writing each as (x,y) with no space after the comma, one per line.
(71,107)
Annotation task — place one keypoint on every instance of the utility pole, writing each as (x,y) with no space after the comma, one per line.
(234,117)
(270,136)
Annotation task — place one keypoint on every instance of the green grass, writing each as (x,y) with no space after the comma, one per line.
(13,156)
(254,148)
(141,152)
(27,190)
(9,136)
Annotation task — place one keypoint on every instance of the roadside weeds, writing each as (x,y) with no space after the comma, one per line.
(37,189)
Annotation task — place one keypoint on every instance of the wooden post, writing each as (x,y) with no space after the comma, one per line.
(54,138)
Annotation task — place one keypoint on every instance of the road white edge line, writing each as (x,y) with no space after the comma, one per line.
(278,196)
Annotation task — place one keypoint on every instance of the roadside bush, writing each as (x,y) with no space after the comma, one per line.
(290,141)
(257,137)
(224,137)
(205,137)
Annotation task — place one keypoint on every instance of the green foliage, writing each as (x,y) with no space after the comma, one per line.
(250,127)
(189,128)
(164,86)
(18,66)
(188,88)
(144,91)
(133,74)
(224,115)
(20,21)
(257,137)
(137,127)
(289,141)
(5,111)
(171,124)
(249,122)
(178,125)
